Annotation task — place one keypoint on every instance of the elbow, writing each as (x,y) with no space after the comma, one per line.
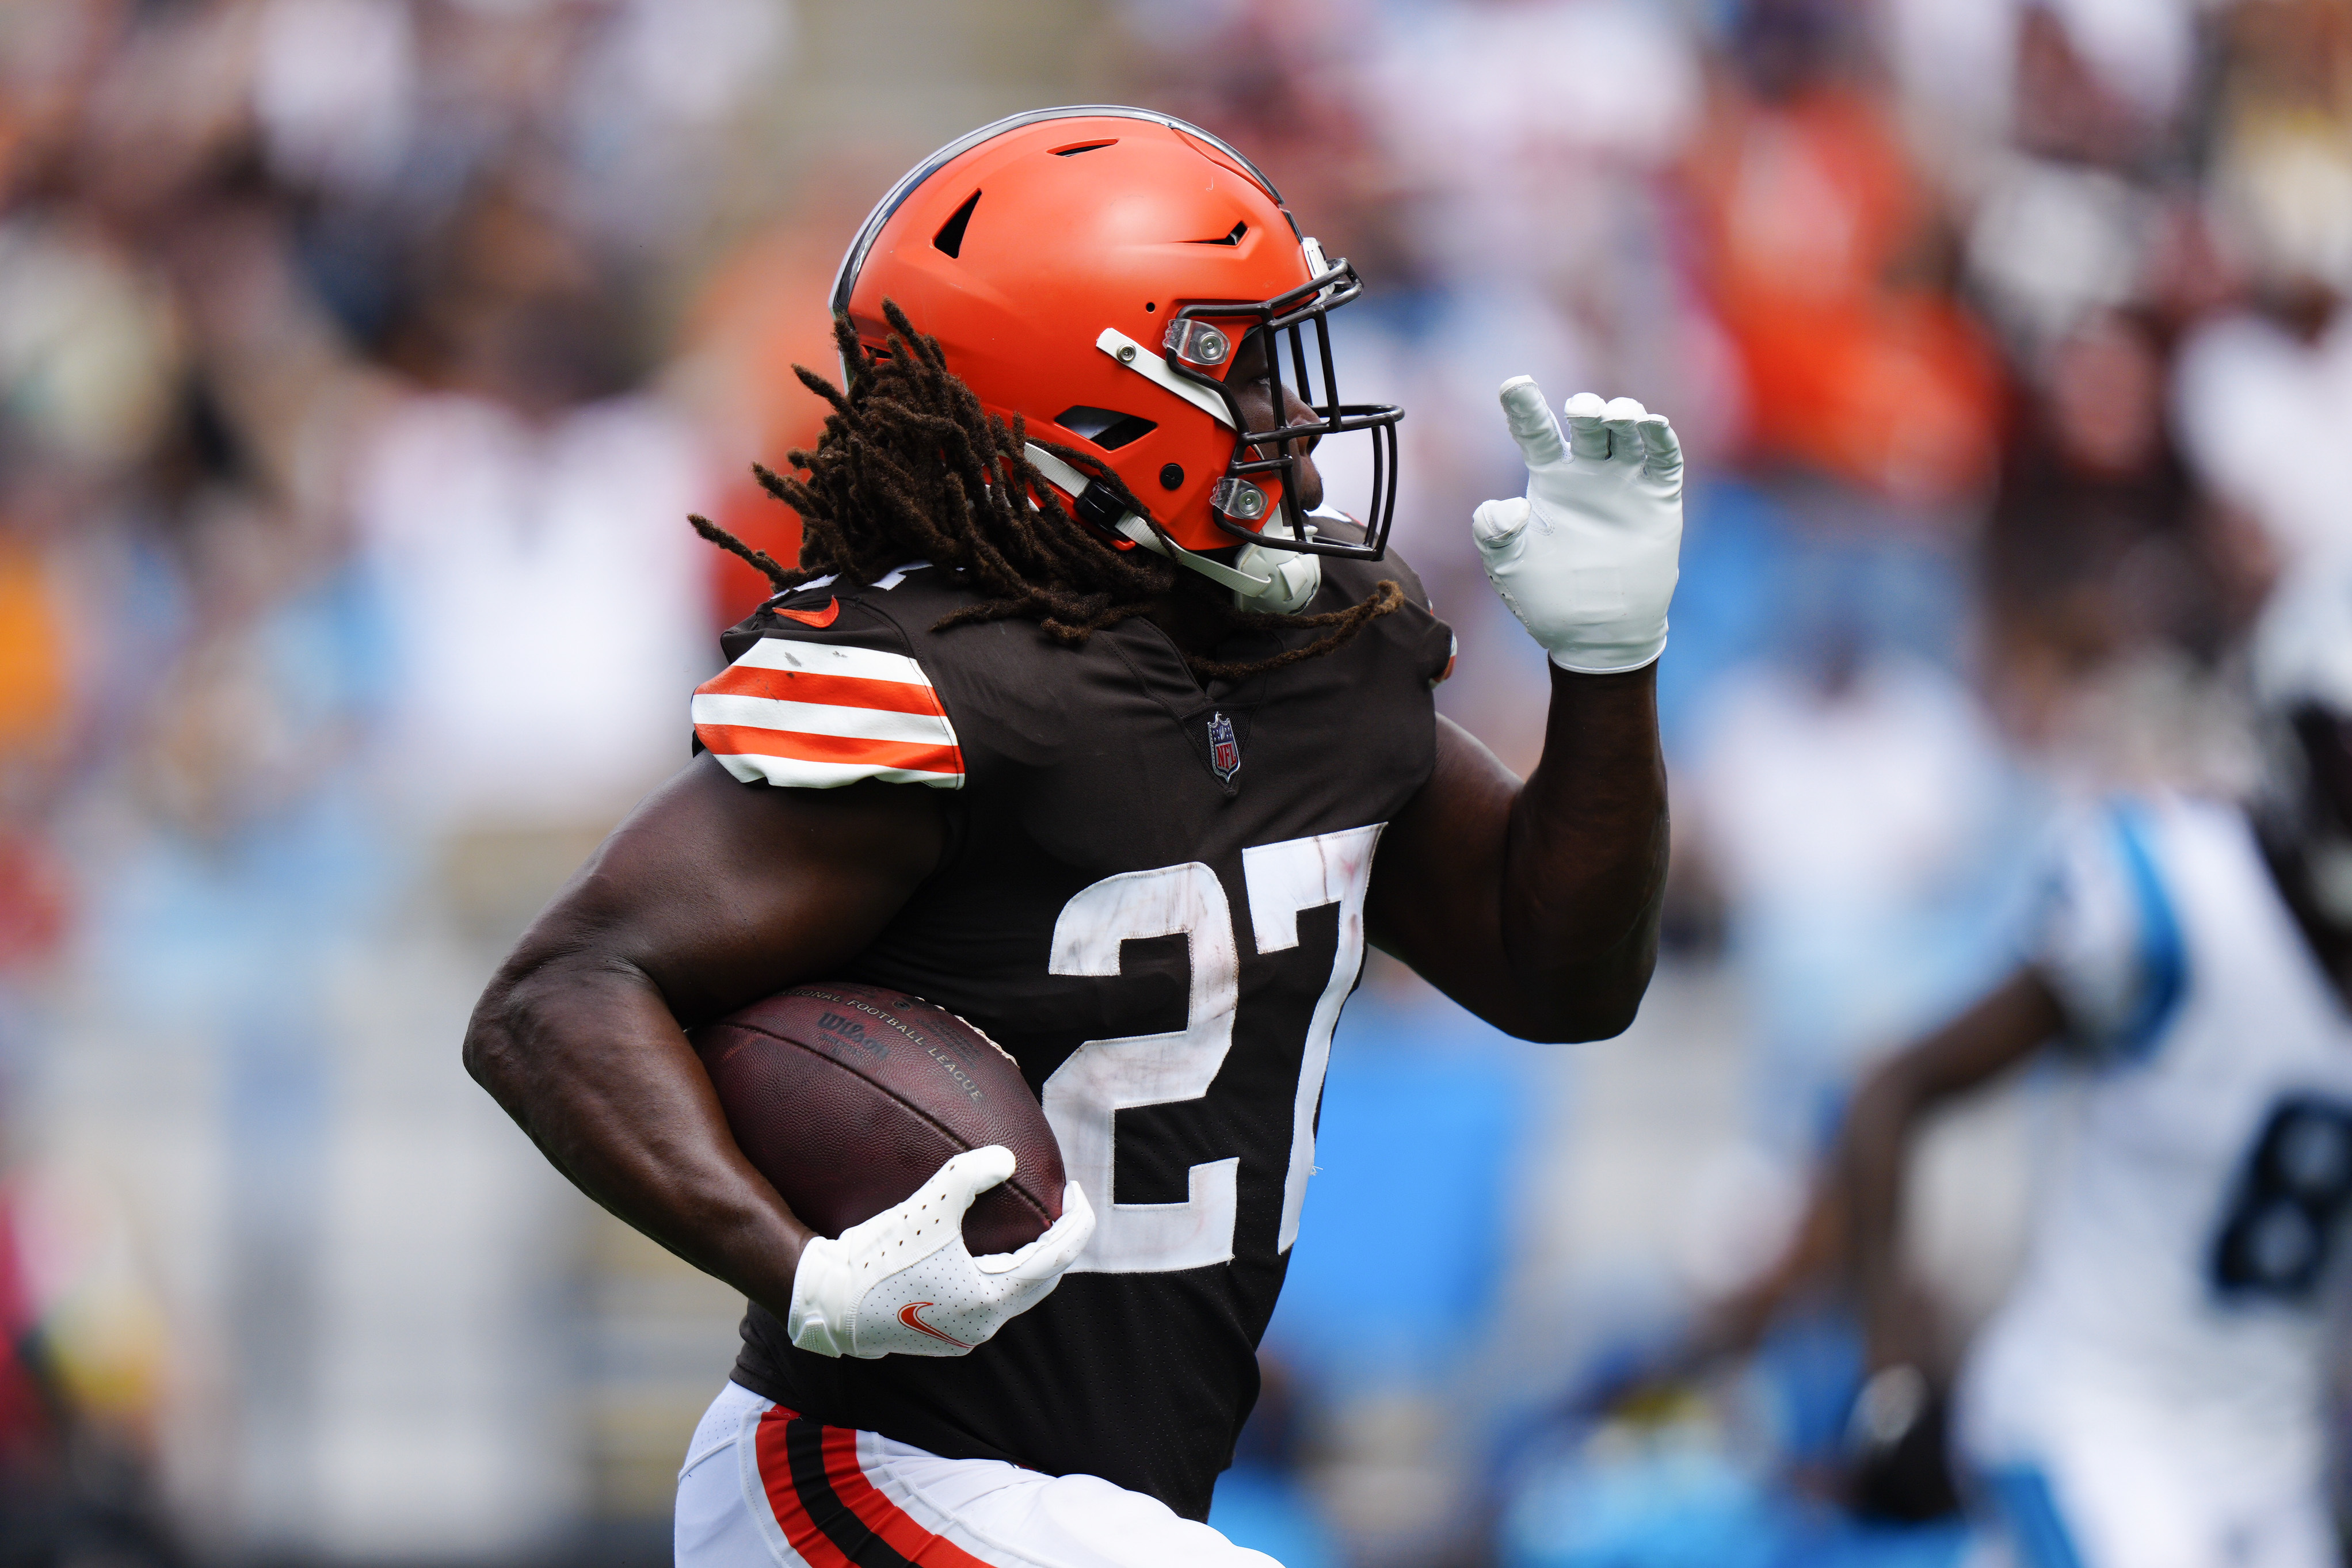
(1605,1020)
(1606,1007)
(1597,1013)
(535,1017)
(483,1050)
(1591,997)
(1610,1021)
(502,1020)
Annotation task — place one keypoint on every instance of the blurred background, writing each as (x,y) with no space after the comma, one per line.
(353,351)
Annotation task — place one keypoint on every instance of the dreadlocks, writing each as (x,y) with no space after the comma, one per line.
(911,468)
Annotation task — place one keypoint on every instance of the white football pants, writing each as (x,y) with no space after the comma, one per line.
(764,1487)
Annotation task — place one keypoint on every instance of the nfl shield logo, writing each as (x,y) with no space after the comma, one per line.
(1224,751)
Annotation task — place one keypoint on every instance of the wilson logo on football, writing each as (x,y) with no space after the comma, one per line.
(849,1031)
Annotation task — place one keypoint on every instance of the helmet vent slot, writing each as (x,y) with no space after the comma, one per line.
(949,238)
(1074,147)
(1234,238)
(1107,428)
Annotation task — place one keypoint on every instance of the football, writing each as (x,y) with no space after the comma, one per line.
(849,1097)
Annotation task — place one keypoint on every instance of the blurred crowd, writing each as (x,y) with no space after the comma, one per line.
(360,360)
(350,599)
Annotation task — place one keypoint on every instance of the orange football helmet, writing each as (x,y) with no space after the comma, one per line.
(1100,271)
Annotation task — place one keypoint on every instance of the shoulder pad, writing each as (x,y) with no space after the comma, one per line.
(811,714)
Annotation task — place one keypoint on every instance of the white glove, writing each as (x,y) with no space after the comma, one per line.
(1586,559)
(902,1283)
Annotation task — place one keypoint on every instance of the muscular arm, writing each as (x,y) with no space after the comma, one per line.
(1865,1191)
(1535,904)
(711,895)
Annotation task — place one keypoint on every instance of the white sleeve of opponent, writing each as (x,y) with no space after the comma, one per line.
(2105,938)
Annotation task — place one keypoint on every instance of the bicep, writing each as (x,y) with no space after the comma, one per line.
(720,893)
(1432,901)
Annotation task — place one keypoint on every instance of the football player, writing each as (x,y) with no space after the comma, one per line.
(1082,717)
(2151,1392)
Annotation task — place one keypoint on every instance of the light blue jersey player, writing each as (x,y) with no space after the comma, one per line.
(2152,1393)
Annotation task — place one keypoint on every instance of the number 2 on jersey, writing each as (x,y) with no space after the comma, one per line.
(1103,1077)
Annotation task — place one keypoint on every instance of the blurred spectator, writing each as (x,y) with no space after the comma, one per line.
(37,716)
(82,1364)
(2264,394)
(1850,805)
(2111,589)
(1822,258)
(518,491)
(762,313)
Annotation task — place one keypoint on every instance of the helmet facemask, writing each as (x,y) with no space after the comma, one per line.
(1208,335)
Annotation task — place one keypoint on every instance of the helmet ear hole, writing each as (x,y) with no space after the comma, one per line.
(1107,428)
(950,239)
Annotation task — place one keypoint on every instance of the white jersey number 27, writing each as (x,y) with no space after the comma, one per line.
(1103,1077)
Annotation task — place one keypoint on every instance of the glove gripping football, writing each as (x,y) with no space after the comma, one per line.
(902,1283)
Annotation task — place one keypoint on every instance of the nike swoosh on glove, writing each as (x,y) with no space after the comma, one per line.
(903,1283)
(1587,559)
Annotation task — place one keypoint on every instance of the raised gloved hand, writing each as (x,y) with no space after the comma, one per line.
(902,1283)
(1587,557)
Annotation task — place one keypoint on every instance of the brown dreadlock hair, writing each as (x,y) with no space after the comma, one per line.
(911,468)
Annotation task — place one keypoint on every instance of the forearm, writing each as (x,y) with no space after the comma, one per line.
(2003,1028)
(1584,858)
(588,1060)
(1869,1184)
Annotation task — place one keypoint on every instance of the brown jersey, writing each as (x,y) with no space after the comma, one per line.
(1153,897)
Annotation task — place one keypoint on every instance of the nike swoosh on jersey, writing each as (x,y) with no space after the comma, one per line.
(816,716)
(912,1316)
(824,617)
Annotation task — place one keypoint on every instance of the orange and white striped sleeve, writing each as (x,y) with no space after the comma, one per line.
(816,716)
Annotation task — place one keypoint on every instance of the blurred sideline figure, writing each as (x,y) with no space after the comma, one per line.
(2152,1391)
